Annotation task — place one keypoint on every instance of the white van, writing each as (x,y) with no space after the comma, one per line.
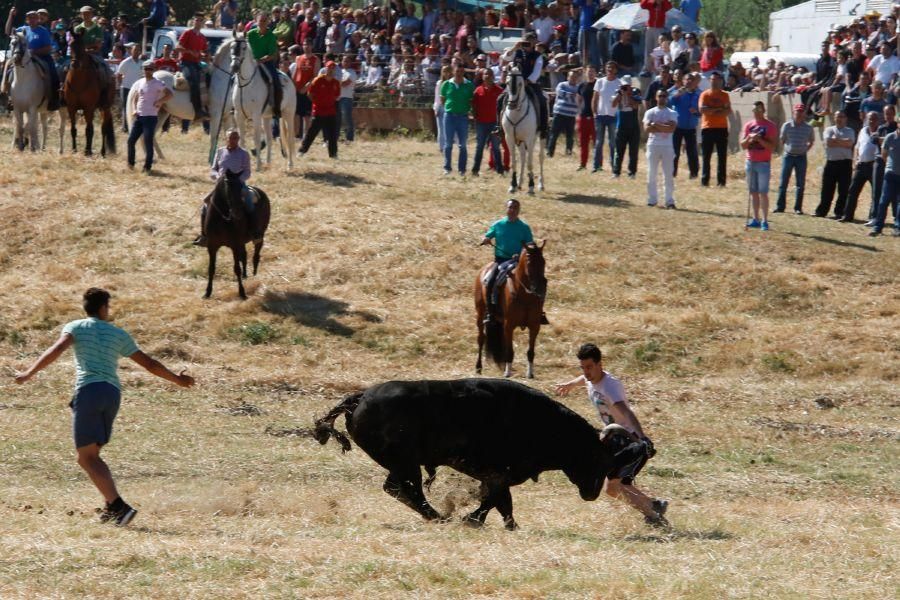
(169,36)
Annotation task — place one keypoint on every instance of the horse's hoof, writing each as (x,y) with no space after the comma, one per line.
(531,191)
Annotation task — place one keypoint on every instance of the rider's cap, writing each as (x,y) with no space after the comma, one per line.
(149,64)
(42,11)
(31,13)
(85,9)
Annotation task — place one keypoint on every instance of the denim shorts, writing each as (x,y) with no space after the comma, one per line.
(758,175)
(94,409)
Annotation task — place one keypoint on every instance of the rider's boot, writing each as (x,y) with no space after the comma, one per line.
(276,100)
(201,239)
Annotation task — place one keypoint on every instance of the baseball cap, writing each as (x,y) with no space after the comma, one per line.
(330,64)
(42,11)
(481,57)
(626,80)
(149,64)
(85,9)
(559,28)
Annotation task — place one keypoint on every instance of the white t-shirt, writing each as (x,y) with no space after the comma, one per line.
(677,47)
(606,90)
(884,69)
(131,71)
(347,90)
(543,28)
(606,393)
(660,116)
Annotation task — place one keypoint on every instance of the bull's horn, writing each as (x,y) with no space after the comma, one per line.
(613,429)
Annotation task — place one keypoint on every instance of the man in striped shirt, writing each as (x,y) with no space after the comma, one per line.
(798,137)
(565,109)
(98,347)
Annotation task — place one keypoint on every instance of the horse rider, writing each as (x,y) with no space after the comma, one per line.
(40,44)
(237,160)
(530,63)
(264,46)
(192,46)
(510,234)
(92,39)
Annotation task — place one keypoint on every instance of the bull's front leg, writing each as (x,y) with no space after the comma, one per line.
(503,501)
(407,488)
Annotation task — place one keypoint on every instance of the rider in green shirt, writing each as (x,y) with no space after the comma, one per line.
(264,46)
(90,32)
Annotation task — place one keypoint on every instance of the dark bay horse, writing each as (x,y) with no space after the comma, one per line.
(88,89)
(520,303)
(226,225)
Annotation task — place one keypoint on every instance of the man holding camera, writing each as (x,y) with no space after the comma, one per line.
(628,128)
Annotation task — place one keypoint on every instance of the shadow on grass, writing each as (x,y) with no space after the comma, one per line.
(675,535)
(593,200)
(343,180)
(312,310)
(833,241)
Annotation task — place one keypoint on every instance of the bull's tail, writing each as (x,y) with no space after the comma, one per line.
(325,426)
(493,347)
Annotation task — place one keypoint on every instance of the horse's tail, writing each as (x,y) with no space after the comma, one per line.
(325,426)
(108,131)
(493,346)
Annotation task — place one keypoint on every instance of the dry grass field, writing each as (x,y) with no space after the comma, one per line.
(764,365)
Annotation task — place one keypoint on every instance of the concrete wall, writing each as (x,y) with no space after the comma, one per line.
(388,119)
(778,110)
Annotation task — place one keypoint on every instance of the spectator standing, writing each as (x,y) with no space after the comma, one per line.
(759,138)
(628,128)
(456,96)
(874,103)
(715,107)
(660,122)
(345,102)
(225,12)
(129,72)
(890,189)
(282,27)
(887,125)
(159,13)
(446,73)
(588,46)
(864,152)
(543,25)
(622,54)
(851,101)
(661,82)
(307,67)
(605,90)
(686,102)
(565,109)
(324,91)
(408,24)
(484,107)
(150,94)
(586,130)
(839,141)
(798,137)
(656,24)
(691,9)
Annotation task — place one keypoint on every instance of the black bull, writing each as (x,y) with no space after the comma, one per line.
(496,431)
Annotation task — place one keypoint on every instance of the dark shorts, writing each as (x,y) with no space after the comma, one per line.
(304,105)
(628,472)
(94,409)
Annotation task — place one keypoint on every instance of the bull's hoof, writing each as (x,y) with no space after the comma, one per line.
(473,522)
(510,524)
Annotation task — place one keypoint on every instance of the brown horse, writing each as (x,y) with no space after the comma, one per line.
(226,224)
(520,303)
(88,89)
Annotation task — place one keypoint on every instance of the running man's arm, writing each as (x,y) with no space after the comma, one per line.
(9,21)
(157,368)
(47,358)
(623,415)
(564,388)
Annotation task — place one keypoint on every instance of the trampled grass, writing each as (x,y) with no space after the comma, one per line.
(763,365)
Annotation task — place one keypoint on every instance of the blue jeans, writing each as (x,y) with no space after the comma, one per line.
(191,72)
(890,190)
(146,127)
(483,136)
(792,162)
(455,127)
(345,114)
(604,126)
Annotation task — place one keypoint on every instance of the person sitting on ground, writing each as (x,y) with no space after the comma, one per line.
(607,394)
(237,160)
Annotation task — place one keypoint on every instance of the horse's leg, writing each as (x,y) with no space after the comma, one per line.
(256,142)
(88,132)
(73,127)
(43,117)
(19,139)
(62,129)
(479,320)
(522,149)
(513,184)
(236,253)
(541,164)
(530,152)
(33,128)
(267,129)
(508,330)
(287,135)
(243,255)
(533,330)
(257,247)
(159,123)
(212,269)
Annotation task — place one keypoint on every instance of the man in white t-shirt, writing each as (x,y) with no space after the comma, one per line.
(129,72)
(543,25)
(345,101)
(605,89)
(607,394)
(660,122)
(885,65)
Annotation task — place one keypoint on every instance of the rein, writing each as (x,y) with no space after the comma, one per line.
(514,105)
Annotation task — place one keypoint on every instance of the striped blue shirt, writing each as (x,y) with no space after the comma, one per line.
(796,137)
(566,100)
(98,347)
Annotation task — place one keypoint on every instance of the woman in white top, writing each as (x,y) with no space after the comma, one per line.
(446,73)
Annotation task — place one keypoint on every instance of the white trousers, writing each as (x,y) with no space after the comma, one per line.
(660,157)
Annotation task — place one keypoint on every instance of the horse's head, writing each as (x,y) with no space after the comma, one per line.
(238,48)
(514,85)
(233,189)
(18,48)
(77,46)
(533,256)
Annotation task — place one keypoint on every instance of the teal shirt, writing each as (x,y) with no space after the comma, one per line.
(509,237)
(457,98)
(98,347)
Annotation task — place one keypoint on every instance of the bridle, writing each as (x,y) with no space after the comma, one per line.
(21,56)
(237,55)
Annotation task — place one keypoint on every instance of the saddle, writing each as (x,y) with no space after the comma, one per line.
(254,195)
(503,270)
(181,84)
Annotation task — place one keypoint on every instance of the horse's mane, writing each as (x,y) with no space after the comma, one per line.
(224,49)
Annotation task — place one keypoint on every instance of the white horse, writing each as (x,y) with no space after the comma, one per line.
(249,97)
(520,128)
(29,96)
(180,106)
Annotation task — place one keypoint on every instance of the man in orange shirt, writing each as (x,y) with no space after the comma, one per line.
(324,92)
(307,66)
(715,107)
